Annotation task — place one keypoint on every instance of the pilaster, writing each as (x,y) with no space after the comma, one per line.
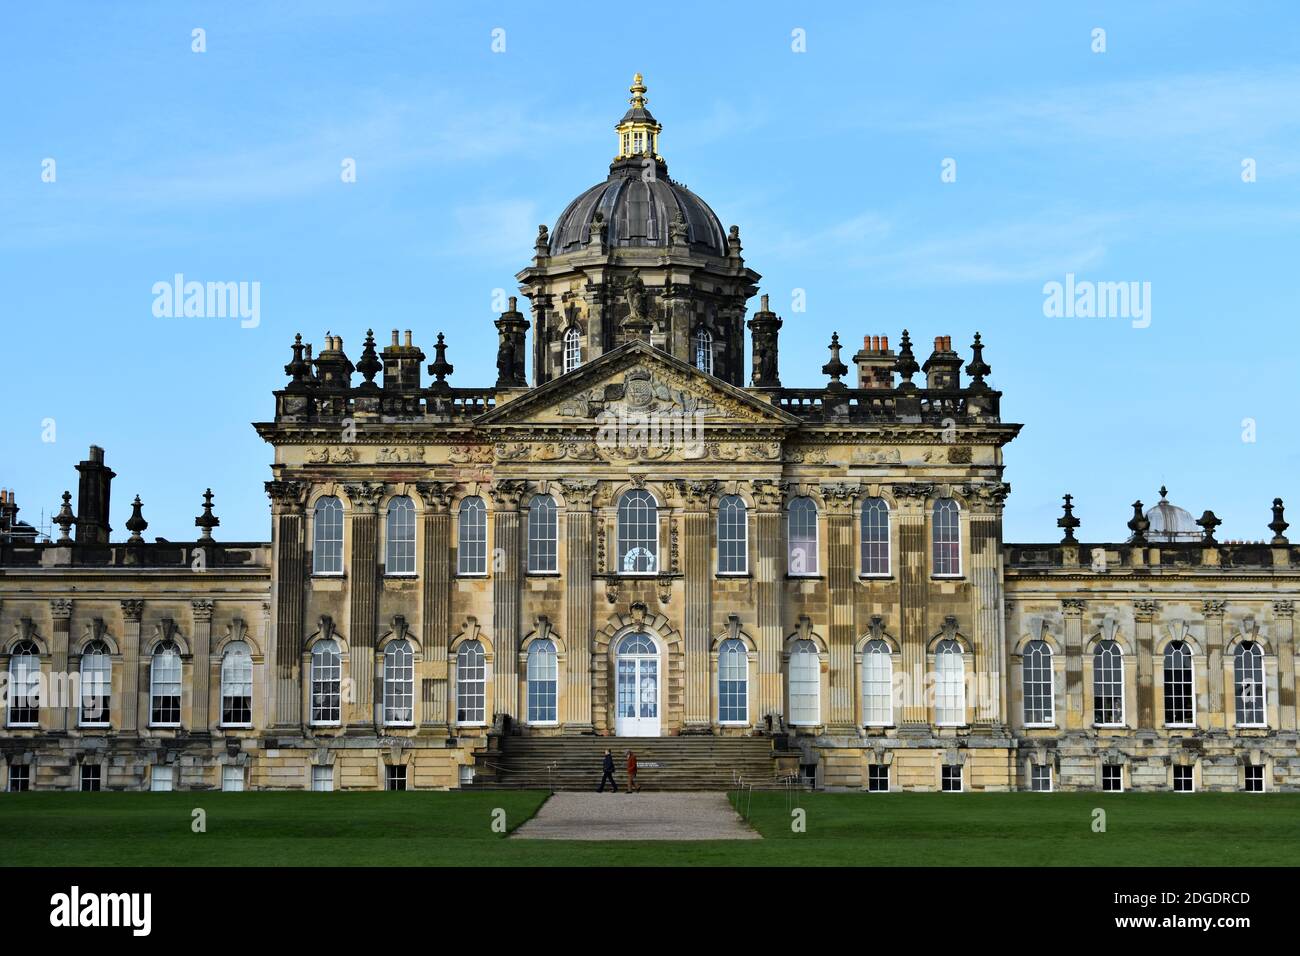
(61,613)
(200,716)
(363,596)
(1144,613)
(841,633)
(697,520)
(578,544)
(1284,635)
(1215,716)
(132,611)
(506,579)
(288,580)
(435,601)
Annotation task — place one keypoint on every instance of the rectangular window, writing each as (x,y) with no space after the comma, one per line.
(952,778)
(878,778)
(1040,779)
(20,778)
(232,779)
(395,777)
(161,779)
(1112,778)
(322,778)
(91,778)
(1255,778)
(1182,779)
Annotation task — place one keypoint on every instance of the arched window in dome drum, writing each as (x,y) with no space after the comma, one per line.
(704,350)
(572,348)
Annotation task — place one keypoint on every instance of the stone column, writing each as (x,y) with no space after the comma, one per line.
(200,716)
(1284,647)
(1215,713)
(987,621)
(435,601)
(132,611)
(61,613)
(578,545)
(769,588)
(1074,717)
(697,568)
(288,584)
(1144,613)
(912,593)
(841,633)
(506,581)
(363,600)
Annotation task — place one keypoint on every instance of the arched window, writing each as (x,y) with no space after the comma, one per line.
(1180,708)
(946,532)
(1107,684)
(875,537)
(801,537)
(805,684)
(543,679)
(1036,684)
(572,348)
(543,535)
(96,685)
(165,686)
(733,682)
(733,536)
(877,684)
(949,684)
(399,684)
(327,542)
(399,556)
(471,684)
(237,685)
(326,683)
(471,550)
(25,686)
(704,350)
(1248,684)
(638,532)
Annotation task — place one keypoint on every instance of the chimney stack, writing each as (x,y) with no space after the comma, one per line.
(875,363)
(943,368)
(402,364)
(93,499)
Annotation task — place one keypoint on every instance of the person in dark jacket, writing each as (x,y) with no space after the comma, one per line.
(608,775)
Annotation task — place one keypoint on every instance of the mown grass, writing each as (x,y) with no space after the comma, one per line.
(455,829)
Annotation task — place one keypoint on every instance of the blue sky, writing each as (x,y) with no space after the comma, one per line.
(1117,166)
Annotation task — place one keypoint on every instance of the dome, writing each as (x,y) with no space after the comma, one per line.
(1170,522)
(638,204)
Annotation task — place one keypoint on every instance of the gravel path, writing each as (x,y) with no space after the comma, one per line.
(636,816)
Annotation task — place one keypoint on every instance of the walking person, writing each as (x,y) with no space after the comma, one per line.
(631,773)
(608,767)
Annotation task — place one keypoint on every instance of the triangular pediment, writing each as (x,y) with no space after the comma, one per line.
(636,379)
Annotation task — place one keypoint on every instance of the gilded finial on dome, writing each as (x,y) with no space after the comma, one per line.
(638,131)
(637,89)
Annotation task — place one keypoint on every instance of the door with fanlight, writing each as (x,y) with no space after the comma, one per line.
(638,675)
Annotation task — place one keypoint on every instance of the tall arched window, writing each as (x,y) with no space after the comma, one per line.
(327,540)
(704,350)
(801,537)
(733,682)
(877,684)
(1107,684)
(805,684)
(471,547)
(96,685)
(399,684)
(399,555)
(949,684)
(1180,710)
(1248,684)
(638,532)
(1036,684)
(471,684)
(875,537)
(946,532)
(237,685)
(733,535)
(165,686)
(572,348)
(543,681)
(326,683)
(25,686)
(543,535)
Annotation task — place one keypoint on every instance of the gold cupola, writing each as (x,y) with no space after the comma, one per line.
(638,131)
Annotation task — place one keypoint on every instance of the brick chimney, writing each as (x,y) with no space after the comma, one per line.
(943,368)
(93,499)
(875,363)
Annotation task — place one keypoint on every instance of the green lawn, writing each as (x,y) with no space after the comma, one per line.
(427,828)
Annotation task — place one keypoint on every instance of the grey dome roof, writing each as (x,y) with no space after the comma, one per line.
(638,202)
(1170,522)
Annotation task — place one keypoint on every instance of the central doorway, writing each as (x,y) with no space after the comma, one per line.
(636,665)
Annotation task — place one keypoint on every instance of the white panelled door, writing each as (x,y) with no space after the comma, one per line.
(637,693)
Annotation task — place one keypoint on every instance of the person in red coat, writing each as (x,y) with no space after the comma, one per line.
(631,773)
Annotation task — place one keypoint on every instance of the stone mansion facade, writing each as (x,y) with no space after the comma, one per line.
(635,532)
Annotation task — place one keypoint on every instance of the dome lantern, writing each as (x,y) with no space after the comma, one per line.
(638,131)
